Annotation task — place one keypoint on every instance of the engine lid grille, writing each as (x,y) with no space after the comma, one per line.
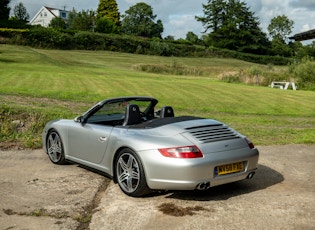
(212,133)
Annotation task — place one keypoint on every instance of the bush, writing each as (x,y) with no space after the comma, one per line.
(261,59)
(48,38)
(160,48)
(89,41)
(9,33)
(57,23)
(104,25)
(304,71)
(14,24)
(230,78)
(12,36)
(174,69)
(262,76)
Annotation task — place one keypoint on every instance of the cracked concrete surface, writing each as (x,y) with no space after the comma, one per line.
(36,194)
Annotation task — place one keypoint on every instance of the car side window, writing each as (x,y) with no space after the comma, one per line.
(109,114)
(111,109)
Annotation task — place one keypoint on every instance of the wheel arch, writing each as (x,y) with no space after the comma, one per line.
(61,159)
(46,137)
(115,159)
(63,139)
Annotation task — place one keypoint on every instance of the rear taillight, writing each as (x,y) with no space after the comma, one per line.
(250,144)
(182,152)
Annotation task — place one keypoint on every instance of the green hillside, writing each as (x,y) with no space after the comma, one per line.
(49,83)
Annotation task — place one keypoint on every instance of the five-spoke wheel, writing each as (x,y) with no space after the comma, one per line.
(130,174)
(54,148)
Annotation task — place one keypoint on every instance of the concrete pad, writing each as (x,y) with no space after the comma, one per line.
(280,196)
(36,194)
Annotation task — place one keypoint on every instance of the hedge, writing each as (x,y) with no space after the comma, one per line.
(41,37)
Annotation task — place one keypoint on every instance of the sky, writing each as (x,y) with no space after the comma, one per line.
(178,16)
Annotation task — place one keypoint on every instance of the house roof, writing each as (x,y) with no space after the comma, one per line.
(304,36)
(49,9)
(53,9)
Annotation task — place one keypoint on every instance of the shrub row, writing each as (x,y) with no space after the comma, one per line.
(51,38)
(261,59)
(14,24)
(40,37)
(9,33)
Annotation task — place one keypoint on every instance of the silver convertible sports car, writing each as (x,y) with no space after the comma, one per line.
(144,149)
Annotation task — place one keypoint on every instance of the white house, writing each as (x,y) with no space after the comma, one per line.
(45,14)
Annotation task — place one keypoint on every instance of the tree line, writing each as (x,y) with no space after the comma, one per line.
(228,24)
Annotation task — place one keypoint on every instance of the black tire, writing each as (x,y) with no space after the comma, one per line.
(54,148)
(130,175)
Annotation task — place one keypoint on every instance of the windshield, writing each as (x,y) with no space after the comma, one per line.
(115,111)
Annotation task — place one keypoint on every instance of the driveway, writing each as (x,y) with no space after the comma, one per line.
(36,194)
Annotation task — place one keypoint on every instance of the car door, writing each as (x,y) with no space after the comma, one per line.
(88,142)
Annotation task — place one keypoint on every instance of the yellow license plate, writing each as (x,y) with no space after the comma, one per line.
(230,168)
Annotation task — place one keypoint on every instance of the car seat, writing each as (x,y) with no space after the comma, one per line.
(132,115)
(167,111)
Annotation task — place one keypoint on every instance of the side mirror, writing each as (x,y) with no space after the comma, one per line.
(79,119)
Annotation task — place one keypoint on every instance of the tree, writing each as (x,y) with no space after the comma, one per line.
(308,49)
(169,38)
(104,25)
(58,23)
(192,38)
(84,20)
(280,48)
(107,10)
(233,26)
(157,29)
(4,9)
(139,20)
(20,12)
(214,15)
(280,27)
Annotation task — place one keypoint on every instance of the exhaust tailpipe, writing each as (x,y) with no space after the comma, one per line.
(203,186)
(250,176)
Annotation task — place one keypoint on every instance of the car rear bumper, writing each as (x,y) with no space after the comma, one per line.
(198,185)
(164,173)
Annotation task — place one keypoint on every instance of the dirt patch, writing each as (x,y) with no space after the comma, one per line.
(174,210)
(23,118)
(5,146)
(40,102)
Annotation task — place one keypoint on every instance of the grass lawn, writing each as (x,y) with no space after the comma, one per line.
(49,84)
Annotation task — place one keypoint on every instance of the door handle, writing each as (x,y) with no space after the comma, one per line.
(102,139)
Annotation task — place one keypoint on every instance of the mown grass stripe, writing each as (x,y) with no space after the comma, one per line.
(269,116)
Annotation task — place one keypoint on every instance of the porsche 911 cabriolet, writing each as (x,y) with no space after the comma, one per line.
(145,149)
